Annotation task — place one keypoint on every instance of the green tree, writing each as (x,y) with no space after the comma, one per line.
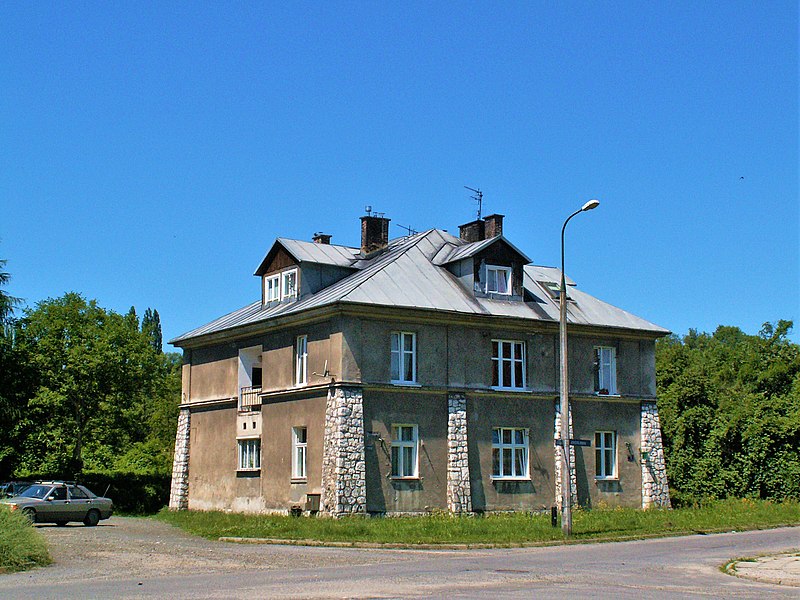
(98,384)
(730,413)
(151,327)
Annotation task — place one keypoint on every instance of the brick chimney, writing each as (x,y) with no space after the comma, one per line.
(374,233)
(321,238)
(472,232)
(493,225)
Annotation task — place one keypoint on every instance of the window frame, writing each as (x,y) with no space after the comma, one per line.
(272,284)
(498,360)
(254,453)
(500,446)
(600,452)
(299,454)
(301,360)
(507,276)
(285,275)
(599,379)
(401,353)
(398,445)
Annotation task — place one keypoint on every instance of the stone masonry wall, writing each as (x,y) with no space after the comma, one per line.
(459,495)
(179,490)
(559,455)
(343,467)
(655,489)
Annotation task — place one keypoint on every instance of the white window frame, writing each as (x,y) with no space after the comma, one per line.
(606,356)
(286,291)
(299,452)
(399,355)
(605,444)
(301,360)
(517,357)
(272,288)
(505,272)
(501,447)
(398,452)
(249,454)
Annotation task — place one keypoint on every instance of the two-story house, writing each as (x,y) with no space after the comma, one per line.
(414,374)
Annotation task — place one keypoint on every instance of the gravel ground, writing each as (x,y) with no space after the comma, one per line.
(130,547)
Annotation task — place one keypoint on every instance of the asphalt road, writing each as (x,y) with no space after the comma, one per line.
(140,558)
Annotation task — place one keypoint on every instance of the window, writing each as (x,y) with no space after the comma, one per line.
(289,286)
(250,454)
(272,289)
(605,370)
(301,360)
(404,451)
(508,364)
(404,357)
(498,280)
(510,453)
(605,454)
(77,493)
(299,444)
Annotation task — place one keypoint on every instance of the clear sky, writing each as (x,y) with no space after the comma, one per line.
(151,153)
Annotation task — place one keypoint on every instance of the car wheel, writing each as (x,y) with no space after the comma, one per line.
(29,514)
(92,518)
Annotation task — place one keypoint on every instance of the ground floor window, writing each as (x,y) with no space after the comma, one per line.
(299,447)
(605,454)
(404,450)
(249,454)
(510,453)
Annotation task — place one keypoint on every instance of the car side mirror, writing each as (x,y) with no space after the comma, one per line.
(49,498)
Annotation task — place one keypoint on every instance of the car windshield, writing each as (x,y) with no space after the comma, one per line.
(37,491)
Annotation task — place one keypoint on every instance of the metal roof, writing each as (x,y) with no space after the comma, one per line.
(406,275)
(462,251)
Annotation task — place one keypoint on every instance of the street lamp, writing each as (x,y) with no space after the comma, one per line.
(566,483)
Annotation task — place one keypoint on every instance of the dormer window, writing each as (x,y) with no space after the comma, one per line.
(289,284)
(272,288)
(498,280)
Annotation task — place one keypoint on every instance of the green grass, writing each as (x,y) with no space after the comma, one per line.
(499,529)
(21,546)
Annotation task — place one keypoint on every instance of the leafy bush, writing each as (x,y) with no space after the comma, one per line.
(21,546)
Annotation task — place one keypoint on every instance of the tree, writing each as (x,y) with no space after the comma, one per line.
(151,327)
(730,413)
(7,302)
(98,383)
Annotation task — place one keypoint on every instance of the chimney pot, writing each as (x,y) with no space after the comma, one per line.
(473,231)
(321,238)
(493,225)
(374,233)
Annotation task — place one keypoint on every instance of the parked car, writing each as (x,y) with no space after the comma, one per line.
(13,488)
(60,502)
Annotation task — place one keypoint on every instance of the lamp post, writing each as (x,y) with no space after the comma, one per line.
(566,479)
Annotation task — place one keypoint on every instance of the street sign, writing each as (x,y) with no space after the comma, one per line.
(575,443)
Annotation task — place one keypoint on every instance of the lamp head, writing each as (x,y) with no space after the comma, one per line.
(590,205)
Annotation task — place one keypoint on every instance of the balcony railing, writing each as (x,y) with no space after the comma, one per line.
(248,398)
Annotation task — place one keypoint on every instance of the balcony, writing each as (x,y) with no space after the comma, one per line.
(249,399)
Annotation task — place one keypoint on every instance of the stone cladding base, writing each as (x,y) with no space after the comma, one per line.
(179,489)
(459,495)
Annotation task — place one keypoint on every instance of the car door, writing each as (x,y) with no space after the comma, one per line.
(54,508)
(79,503)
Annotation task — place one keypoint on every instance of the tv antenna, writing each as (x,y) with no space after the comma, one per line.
(478,197)
(409,229)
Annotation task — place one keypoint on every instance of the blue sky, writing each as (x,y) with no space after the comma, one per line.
(150,157)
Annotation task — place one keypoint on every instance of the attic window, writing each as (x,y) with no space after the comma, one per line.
(498,280)
(289,284)
(552,287)
(272,288)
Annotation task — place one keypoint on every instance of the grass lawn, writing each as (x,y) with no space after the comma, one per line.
(21,546)
(499,529)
